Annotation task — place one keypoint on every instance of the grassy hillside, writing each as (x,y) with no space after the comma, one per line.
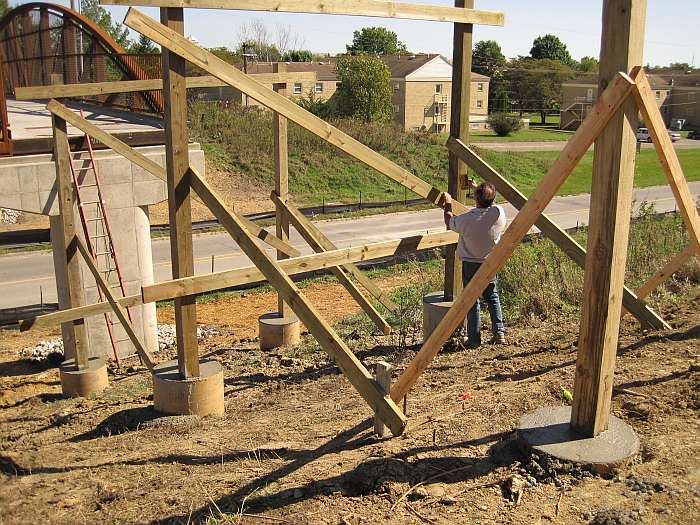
(239,143)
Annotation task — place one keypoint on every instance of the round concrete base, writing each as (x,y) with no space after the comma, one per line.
(82,383)
(434,309)
(276,331)
(547,430)
(201,396)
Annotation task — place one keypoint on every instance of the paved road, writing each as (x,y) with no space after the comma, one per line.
(24,277)
(556,145)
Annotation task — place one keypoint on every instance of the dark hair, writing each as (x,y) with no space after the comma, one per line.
(485,194)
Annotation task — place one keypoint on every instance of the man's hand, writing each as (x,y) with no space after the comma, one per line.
(447,197)
(471,183)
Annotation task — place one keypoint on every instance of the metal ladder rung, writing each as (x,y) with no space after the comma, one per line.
(91,202)
(94,219)
(102,253)
(88,186)
(101,236)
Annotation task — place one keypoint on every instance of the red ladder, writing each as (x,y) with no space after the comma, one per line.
(93,215)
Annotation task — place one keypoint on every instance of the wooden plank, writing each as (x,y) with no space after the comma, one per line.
(90,89)
(285,107)
(75,333)
(654,121)
(382,375)
(646,316)
(460,102)
(118,309)
(372,8)
(248,275)
(667,271)
(153,168)
(601,112)
(179,204)
(279,131)
(609,222)
(315,239)
(352,368)
(319,242)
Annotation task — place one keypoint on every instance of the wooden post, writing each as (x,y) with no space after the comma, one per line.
(179,207)
(279,127)
(611,202)
(76,346)
(382,375)
(459,128)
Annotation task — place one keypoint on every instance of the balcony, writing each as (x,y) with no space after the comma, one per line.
(441,109)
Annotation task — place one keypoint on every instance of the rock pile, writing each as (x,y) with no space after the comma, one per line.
(167,338)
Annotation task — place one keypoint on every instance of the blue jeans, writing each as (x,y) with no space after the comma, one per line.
(490,295)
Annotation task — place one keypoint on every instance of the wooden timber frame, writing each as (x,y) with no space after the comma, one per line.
(622,84)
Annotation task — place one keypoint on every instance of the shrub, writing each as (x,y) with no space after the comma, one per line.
(504,124)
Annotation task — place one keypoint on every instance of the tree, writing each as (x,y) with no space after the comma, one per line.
(375,41)
(487,58)
(98,14)
(549,47)
(298,55)
(4,8)
(504,124)
(365,88)
(143,46)
(535,85)
(588,65)
(227,55)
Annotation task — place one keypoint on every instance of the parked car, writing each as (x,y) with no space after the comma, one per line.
(643,135)
(694,134)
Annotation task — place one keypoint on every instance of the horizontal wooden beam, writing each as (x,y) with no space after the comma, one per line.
(646,316)
(91,89)
(602,111)
(373,8)
(154,168)
(282,105)
(247,275)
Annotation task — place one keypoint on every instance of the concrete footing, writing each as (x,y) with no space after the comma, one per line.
(547,430)
(81,383)
(434,309)
(276,331)
(201,396)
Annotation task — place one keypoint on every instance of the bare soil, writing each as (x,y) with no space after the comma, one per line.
(295,444)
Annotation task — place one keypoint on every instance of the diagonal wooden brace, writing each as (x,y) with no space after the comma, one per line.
(601,113)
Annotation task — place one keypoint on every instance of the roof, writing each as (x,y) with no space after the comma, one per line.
(323,70)
(683,79)
(591,79)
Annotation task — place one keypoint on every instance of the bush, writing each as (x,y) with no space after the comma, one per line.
(504,124)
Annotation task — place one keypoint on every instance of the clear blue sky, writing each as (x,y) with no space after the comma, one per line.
(671,32)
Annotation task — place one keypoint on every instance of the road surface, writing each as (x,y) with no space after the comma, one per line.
(25,277)
(558,145)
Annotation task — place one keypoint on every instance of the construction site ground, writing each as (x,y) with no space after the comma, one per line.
(295,444)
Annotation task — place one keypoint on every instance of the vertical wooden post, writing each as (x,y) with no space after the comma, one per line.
(459,128)
(382,375)
(179,206)
(611,201)
(76,346)
(279,124)
(45,45)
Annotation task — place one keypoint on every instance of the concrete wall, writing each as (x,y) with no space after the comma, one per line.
(29,184)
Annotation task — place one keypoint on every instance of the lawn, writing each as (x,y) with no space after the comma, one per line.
(525,135)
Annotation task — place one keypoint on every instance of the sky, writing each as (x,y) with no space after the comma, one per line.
(671,27)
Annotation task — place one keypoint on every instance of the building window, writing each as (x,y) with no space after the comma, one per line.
(479,103)
(480,86)
(318,88)
(396,108)
(437,109)
(297,88)
(589,95)
(474,125)
(396,86)
(658,95)
(438,89)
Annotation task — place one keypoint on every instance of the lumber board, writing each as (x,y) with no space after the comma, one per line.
(153,168)
(667,155)
(460,102)
(311,235)
(609,223)
(382,374)
(634,303)
(372,8)
(90,89)
(240,276)
(75,333)
(282,105)
(350,365)
(118,309)
(601,112)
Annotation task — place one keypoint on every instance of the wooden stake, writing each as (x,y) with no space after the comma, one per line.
(75,334)
(179,206)
(382,375)
(609,219)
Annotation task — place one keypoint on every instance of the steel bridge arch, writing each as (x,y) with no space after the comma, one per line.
(43,43)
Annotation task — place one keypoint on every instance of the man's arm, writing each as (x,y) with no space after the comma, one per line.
(448,209)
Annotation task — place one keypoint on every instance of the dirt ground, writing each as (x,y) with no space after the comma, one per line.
(295,444)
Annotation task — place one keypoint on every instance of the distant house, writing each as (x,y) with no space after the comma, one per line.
(685,98)
(421,89)
(579,95)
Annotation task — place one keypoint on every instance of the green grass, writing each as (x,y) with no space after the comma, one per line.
(525,135)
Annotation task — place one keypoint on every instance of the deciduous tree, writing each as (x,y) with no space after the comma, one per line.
(375,41)
(365,89)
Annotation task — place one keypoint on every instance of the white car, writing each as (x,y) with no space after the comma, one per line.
(643,135)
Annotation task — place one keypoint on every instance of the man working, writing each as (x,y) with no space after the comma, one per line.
(479,230)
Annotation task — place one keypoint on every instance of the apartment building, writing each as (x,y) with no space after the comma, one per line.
(685,98)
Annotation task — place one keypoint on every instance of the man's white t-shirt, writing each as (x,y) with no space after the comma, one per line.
(479,231)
